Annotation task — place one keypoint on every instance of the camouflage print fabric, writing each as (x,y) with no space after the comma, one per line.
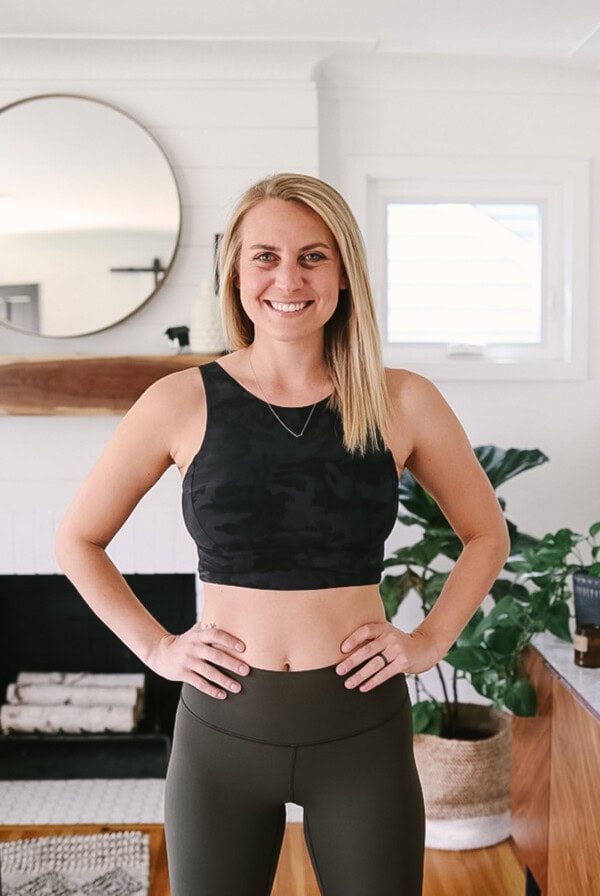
(267,510)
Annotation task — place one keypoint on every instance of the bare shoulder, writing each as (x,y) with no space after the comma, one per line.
(410,392)
(168,398)
(419,415)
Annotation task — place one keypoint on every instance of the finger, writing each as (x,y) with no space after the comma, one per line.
(373,667)
(366,632)
(221,658)
(217,676)
(377,679)
(220,638)
(196,681)
(360,656)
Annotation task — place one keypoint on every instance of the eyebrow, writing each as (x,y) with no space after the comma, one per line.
(303,249)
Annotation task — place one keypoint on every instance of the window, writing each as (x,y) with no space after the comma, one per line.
(463,273)
(479,266)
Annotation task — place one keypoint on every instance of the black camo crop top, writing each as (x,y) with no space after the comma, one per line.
(270,511)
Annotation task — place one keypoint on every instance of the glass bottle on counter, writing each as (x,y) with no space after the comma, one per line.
(586,643)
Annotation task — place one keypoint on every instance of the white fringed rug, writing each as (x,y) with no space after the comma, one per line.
(88,865)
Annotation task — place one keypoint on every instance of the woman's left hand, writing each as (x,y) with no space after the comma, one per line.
(382,650)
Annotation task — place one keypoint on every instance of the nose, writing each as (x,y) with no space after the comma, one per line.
(289,275)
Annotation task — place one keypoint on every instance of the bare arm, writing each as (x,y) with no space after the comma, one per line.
(146,442)
(426,437)
(444,463)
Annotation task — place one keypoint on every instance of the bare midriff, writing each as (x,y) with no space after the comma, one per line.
(289,631)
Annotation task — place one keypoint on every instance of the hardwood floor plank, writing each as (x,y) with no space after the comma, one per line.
(494,871)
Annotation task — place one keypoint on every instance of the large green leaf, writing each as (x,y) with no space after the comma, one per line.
(433,587)
(503,640)
(502,464)
(427,717)
(557,621)
(393,590)
(467,637)
(468,659)
(419,554)
(519,541)
(487,684)
(419,504)
(503,587)
(520,697)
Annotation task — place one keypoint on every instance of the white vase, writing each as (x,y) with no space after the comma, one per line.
(206,330)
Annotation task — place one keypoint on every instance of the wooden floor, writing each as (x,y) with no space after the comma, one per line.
(479,872)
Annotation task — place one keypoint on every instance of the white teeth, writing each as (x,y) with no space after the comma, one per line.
(288,306)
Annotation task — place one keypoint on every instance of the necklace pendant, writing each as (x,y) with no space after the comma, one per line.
(296,435)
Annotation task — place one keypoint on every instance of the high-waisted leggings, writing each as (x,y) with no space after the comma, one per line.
(346,757)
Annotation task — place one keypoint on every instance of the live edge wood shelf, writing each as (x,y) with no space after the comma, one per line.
(82,385)
(556,796)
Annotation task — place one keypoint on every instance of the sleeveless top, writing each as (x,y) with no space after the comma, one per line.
(271,511)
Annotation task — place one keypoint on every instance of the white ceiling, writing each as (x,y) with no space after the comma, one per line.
(551,29)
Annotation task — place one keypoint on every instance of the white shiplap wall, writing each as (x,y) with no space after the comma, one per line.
(224,119)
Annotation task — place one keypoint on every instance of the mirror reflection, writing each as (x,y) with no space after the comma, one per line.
(89,215)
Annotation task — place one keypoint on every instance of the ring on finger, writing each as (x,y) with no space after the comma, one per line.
(386,662)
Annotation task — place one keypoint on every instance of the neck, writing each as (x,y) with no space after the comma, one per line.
(294,371)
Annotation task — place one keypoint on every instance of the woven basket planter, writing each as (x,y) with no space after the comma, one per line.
(466,783)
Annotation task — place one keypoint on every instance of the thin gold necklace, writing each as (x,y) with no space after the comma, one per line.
(296,435)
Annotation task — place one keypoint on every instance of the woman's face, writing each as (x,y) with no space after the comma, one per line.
(289,270)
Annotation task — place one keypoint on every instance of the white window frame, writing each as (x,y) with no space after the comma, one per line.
(560,185)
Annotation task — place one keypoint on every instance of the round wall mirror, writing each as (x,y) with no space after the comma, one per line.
(89,215)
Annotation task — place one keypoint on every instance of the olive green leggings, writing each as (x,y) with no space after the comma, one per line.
(298,737)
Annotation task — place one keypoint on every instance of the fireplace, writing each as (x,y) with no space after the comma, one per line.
(45,626)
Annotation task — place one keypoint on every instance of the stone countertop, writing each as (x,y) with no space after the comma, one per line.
(584,683)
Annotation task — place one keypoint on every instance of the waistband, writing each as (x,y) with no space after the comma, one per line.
(297,708)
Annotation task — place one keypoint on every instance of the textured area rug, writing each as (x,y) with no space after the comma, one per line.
(88,865)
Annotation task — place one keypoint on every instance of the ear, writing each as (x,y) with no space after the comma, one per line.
(343,280)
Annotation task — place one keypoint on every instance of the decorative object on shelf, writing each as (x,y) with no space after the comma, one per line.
(206,330)
(181,335)
(94,864)
(586,644)
(488,652)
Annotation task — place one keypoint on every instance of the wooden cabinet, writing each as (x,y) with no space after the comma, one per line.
(556,787)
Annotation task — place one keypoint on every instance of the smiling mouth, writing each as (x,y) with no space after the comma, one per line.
(288,307)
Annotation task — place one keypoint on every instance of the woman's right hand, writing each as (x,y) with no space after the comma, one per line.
(197,657)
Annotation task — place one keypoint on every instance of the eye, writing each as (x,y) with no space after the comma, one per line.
(312,257)
(264,256)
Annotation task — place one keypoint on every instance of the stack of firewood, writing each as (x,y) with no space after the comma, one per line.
(72,703)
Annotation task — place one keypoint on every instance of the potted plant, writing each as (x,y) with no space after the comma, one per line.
(472,741)
(559,557)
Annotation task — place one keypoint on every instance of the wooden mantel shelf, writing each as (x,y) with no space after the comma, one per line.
(82,385)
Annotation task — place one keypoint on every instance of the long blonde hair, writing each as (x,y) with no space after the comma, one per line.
(352,344)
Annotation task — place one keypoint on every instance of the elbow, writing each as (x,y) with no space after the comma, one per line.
(499,541)
(63,545)
(493,543)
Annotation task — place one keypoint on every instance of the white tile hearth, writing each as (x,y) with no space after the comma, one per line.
(85,801)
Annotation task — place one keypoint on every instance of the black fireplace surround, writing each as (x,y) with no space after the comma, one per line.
(45,626)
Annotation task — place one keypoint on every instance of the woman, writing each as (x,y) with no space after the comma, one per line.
(290,449)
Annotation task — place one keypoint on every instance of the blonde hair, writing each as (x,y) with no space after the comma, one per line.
(352,344)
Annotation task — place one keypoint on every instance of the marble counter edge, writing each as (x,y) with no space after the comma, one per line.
(583,683)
